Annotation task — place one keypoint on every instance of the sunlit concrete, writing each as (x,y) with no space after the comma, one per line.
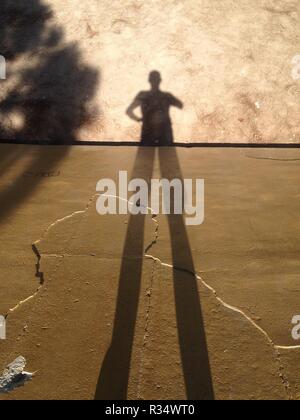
(245,258)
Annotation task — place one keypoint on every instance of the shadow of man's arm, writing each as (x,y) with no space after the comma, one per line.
(131,110)
(176,102)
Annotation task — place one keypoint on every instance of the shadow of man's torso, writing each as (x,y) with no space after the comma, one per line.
(157,125)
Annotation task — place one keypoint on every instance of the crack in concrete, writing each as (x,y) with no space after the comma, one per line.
(70,216)
(10,311)
(34,246)
(274,159)
(156,233)
(40,275)
(31,297)
(146,332)
(148,309)
(39,256)
(281,374)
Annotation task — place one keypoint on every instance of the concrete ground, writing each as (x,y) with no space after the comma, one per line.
(142,307)
(109,307)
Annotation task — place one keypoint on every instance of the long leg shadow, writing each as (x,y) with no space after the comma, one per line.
(114,375)
(191,331)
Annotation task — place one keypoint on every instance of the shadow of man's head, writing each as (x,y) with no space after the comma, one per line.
(155,80)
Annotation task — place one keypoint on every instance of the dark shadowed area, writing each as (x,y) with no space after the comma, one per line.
(48,92)
(115,373)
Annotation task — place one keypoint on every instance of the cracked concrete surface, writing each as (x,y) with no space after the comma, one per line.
(246,268)
(60,261)
(281,372)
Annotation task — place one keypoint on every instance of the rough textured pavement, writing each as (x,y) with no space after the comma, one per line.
(245,256)
(122,307)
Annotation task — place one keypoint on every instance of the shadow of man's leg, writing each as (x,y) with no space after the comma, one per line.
(192,339)
(114,376)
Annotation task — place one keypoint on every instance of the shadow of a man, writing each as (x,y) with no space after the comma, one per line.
(155,106)
(115,372)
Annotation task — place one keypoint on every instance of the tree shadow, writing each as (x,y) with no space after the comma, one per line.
(114,376)
(50,96)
